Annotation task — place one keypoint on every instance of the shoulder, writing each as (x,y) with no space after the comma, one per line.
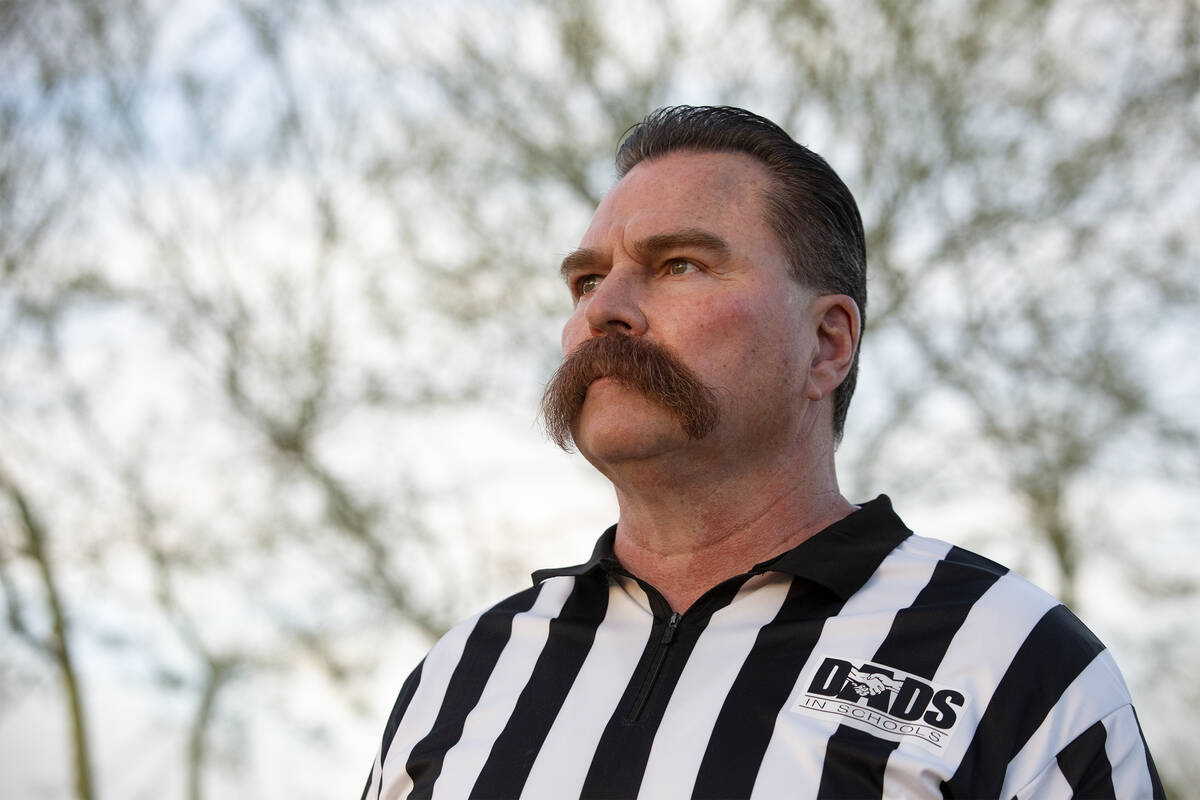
(487,630)
(1018,634)
(992,590)
(1033,677)
(466,654)
(450,678)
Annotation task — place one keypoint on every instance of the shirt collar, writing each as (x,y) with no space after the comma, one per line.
(603,560)
(841,557)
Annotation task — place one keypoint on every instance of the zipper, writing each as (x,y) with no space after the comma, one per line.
(660,655)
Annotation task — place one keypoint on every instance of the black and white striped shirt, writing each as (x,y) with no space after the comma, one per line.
(866,662)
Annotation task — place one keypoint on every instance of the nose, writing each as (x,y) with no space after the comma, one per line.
(615,307)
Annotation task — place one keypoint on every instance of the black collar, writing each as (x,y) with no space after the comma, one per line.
(841,557)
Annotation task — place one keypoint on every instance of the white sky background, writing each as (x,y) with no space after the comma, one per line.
(499,494)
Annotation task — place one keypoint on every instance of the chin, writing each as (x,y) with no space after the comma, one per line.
(627,438)
(619,424)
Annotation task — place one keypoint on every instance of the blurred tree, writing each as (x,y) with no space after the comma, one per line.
(245,246)
(206,393)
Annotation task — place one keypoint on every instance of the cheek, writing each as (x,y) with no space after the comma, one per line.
(573,332)
(727,329)
(740,343)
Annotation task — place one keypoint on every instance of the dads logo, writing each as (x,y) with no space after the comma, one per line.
(882,700)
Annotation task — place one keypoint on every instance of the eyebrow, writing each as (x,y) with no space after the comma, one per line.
(585,258)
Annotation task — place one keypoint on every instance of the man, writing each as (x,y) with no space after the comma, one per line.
(744,630)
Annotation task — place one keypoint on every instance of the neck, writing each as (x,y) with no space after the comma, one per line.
(684,533)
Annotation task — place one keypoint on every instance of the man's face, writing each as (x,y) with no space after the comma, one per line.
(679,253)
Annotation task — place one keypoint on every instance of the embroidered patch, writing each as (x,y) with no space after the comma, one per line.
(882,700)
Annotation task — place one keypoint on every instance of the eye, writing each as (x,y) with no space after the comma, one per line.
(680,266)
(588,284)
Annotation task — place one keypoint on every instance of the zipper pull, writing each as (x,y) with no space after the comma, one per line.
(672,623)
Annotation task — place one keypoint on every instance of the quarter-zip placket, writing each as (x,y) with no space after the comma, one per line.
(660,655)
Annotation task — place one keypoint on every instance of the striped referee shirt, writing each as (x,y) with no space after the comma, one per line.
(866,662)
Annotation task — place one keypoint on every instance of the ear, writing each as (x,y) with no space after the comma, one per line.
(838,327)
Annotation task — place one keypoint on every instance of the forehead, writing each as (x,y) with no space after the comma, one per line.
(722,192)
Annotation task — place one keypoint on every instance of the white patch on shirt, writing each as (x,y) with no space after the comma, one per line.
(881,700)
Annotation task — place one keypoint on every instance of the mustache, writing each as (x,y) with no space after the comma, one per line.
(639,363)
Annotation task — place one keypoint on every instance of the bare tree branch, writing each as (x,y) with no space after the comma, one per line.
(58,645)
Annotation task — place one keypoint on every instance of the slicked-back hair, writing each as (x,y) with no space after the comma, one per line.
(808,207)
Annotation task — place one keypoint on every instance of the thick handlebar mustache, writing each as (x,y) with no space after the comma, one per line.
(641,364)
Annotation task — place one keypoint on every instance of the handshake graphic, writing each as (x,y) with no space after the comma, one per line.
(871,683)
